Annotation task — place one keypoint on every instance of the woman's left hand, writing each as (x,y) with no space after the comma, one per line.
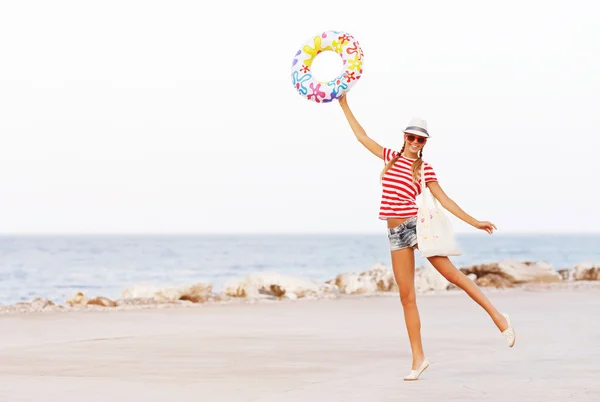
(487,226)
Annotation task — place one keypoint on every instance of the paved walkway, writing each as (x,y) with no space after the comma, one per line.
(353,349)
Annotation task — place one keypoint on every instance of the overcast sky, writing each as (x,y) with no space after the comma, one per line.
(173,117)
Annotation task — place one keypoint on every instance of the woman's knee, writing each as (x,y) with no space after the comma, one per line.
(407,295)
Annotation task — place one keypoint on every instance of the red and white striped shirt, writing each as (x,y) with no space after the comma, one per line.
(399,192)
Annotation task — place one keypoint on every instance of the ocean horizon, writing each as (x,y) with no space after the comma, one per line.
(57,266)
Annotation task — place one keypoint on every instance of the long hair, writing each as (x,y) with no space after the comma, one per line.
(416,166)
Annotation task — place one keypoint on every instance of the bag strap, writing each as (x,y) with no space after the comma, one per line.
(423,183)
(424,188)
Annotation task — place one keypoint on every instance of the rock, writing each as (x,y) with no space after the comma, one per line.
(39,304)
(277,290)
(351,283)
(137,301)
(196,293)
(219,298)
(102,301)
(256,286)
(274,291)
(566,274)
(330,291)
(237,290)
(494,280)
(586,272)
(78,299)
(193,298)
(516,272)
(81,300)
(383,278)
(377,279)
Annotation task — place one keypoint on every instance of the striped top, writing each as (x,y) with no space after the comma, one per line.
(399,191)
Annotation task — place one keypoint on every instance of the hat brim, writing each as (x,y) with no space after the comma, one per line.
(417,133)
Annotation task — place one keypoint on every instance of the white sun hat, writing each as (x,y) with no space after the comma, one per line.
(418,127)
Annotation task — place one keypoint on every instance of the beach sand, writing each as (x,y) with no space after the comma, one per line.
(349,349)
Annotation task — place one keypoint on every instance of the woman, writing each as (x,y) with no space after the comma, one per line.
(400,180)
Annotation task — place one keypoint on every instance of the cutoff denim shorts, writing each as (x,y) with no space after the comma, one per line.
(403,235)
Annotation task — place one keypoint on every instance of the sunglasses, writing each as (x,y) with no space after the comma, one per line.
(420,140)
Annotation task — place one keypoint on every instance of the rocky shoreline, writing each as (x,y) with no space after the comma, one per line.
(378,280)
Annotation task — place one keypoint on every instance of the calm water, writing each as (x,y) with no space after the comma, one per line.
(57,267)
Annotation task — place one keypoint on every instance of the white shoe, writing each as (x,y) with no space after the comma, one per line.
(509,333)
(415,374)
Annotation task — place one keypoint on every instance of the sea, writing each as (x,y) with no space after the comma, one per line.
(56,267)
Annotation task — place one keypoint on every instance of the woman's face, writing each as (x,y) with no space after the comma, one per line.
(414,143)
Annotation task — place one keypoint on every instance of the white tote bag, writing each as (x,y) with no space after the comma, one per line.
(434,230)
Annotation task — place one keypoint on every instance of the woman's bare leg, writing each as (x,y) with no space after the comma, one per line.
(403,263)
(445,267)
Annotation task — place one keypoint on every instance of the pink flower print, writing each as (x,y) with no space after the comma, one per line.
(430,216)
(316,92)
(422,220)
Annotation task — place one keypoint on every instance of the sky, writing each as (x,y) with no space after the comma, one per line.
(180,117)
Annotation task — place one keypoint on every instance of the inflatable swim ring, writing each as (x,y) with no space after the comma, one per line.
(322,92)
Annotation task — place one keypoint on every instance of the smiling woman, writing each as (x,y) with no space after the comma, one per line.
(304,79)
(405,176)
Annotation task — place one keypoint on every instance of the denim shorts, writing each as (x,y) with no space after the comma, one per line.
(403,235)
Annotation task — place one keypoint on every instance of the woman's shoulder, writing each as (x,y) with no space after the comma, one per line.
(430,174)
(391,150)
(427,164)
(389,154)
